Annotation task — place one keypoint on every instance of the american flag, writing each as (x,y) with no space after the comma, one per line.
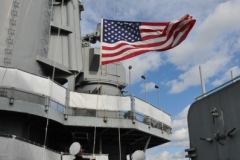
(122,40)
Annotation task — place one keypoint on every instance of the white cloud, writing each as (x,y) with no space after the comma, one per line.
(149,87)
(206,42)
(168,156)
(183,113)
(180,120)
(198,49)
(213,43)
(180,135)
(142,64)
(227,76)
(192,76)
(180,138)
(209,48)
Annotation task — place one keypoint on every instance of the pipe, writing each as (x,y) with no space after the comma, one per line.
(202,81)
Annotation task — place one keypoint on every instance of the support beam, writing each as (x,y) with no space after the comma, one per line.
(138,140)
(146,145)
(123,135)
(100,134)
(100,144)
(202,81)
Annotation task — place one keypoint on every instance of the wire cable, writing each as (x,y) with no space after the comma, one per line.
(10,8)
(118,95)
(101,8)
(53,74)
(95,128)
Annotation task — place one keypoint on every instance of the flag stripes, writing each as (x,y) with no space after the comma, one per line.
(154,37)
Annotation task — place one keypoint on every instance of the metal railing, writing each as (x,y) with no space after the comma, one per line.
(218,88)
(120,115)
(16,94)
(27,141)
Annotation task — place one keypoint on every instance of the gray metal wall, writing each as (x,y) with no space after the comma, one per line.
(213,117)
(65,46)
(21,32)
(25,28)
(36,35)
(108,79)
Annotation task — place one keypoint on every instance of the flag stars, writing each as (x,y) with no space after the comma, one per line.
(114,31)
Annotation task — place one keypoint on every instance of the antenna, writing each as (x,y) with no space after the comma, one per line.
(98,34)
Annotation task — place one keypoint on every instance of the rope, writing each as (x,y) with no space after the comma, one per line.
(53,74)
(10,8)
(119,128)
(114,6)
(3,76)
(33,53)
(95,128)
(101,8)
(28,7)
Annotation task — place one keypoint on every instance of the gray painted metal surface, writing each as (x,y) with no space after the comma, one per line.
(40,36)
(110,79)
(40,28)
(213,123)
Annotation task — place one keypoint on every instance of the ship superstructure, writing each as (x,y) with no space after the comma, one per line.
(213,122)
(53,91)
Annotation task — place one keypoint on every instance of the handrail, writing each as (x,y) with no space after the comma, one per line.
(60,105)
(218,88)
(58,99)
(42,76)
(28,141)
(152,105)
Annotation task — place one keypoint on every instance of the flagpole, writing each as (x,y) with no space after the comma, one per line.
(101,39)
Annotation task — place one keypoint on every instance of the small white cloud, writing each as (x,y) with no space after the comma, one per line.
(168,156)
(180,121)
(180,128)
(142,64)
(162,156)
(183,113)
(180,135)
(149,87)
(227,76)
(179,156)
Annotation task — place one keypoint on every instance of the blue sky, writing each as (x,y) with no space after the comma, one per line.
(213,43)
